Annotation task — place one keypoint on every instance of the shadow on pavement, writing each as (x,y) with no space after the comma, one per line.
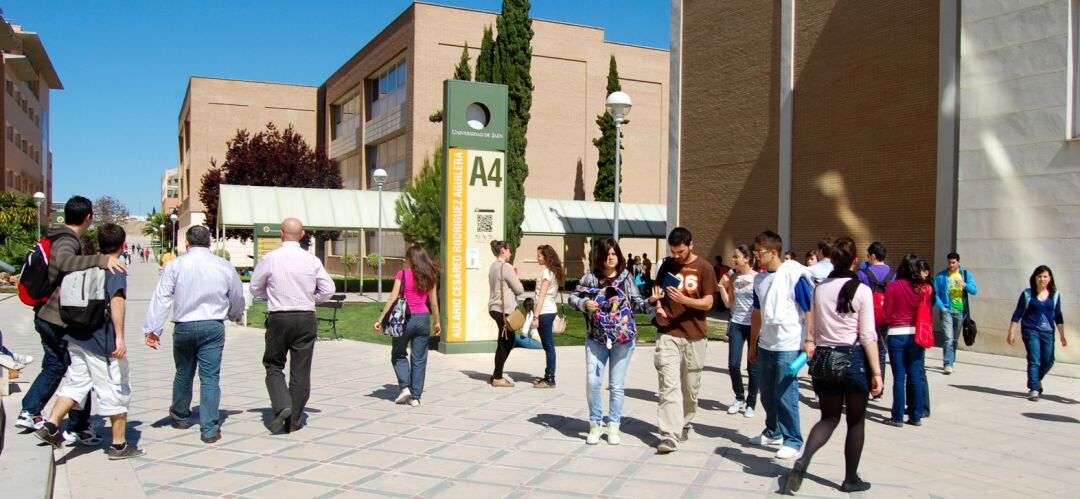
(1006,393)
(577,428)
(518,377)
(79,450)
(1056,418)
(387,392)
(267,415)
(715,369)
(638,393)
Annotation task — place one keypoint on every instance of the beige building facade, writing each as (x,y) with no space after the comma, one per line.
(374,113)
(29,77)
(212,112)
(170,190)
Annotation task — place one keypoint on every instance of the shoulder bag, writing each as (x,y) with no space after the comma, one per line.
(515,320)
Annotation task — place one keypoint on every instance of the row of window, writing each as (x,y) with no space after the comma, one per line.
(21,184)
(21,143)
(393,245)
(22,102)
(389,156)
(385,90)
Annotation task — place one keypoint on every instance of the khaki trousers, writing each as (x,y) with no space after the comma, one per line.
(678,363)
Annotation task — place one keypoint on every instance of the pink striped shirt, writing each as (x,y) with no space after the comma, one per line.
(291,279)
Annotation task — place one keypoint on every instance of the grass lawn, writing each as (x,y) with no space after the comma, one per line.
(355,321)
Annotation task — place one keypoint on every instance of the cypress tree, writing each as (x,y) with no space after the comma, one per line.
(512,66)
(486,59)
(419,209)
(462,71)
(604,190)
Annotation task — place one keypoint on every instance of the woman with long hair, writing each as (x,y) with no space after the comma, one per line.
(608,271)
(903,297)
(418,283)
(505,288)
(843,325)
(545,308)
(1037,312)
(737,293)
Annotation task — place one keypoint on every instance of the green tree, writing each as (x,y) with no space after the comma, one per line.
(419,209)
(486,59)
(152,227)
(18,218)
(512,66)
(462,71)
(604,190)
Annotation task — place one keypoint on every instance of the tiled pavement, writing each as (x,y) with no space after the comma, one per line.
(471,440)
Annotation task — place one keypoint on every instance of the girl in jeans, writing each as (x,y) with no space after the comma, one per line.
(545,309)
(608,269)
(903,297)
(737,293)
(418,283)
(843,322)
(1037,312)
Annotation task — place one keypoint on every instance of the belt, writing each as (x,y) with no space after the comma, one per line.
(279,312)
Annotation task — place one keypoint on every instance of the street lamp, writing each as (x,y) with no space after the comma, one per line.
(379,176)
(176,230)
(618,104)
(39,197)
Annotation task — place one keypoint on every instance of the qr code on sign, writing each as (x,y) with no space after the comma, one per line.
(484,222)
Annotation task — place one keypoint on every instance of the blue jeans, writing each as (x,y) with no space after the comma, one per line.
(547,338)
(952,324)
(198,344)
(618,360)
(1040,356)
(737,335)
(411,372)
(907,359)
(53,366)
(779,396)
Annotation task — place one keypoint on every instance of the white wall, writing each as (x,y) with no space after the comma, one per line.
(1018,200)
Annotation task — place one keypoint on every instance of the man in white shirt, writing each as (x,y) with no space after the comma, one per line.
(203,290)
(292,281)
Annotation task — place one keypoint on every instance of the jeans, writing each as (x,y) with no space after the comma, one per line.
(882,336)
(952,324)
(907,359)
(779,396)
(411,373)
(292,335)
(198,344)
(617,360)
(53,366)
(1040,356)
(737,335)
(547,338)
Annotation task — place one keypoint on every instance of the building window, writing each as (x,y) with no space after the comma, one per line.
(350,172)
(387,89)
(389,156)
(10,87)
(11,133)
(345,115)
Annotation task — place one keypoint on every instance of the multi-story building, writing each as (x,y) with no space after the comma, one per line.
(930,126)
(170,190)
(375,109)
(29,76)
(212,112)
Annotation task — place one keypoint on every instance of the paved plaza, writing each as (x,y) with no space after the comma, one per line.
(471,440)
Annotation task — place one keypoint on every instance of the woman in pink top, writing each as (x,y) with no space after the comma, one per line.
(418,283)
(903,297)
(843,312)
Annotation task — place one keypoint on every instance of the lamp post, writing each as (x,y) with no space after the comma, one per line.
(618,104)
(176,233)
(39,197)
(161,237)
(379,176)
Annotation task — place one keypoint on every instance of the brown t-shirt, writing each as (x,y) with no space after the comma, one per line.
(698,280)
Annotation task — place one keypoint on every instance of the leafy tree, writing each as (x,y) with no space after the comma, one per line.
(270,158)
(109,210)
(512,66)
(18,218)
(604,190)
(419,209)
(486,60)
(153,224)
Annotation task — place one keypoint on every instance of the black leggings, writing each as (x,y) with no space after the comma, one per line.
(506,343)
(832,406)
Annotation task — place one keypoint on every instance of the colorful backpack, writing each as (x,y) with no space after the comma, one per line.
(35,287)
(614,320)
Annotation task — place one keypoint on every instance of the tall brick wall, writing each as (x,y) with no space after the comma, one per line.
(864,151)
(730,121)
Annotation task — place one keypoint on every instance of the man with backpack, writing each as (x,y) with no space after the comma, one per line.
(876,274)
(93,305)
(951,289)
(56,255)
(688,287)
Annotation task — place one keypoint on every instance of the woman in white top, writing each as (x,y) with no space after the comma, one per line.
(737,293)
(546,307)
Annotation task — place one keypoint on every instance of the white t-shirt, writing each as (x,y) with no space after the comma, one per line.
(550,301)
(743,305)
(784,337)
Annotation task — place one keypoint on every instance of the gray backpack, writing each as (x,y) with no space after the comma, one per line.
(83,301)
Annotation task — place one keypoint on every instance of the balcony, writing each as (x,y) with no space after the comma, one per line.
(384,124)
(348,138)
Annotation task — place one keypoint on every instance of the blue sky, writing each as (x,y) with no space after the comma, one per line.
(125,65)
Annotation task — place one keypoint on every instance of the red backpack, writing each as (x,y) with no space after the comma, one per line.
(878,288)
(35,288)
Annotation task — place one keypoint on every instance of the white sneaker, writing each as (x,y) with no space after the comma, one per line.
(749,412)
(403,397)
(594,434)
(22,358)
(763,440)
(414,402)
(735,406)
(613,434)
(29,421)
(948,370)
(786,452)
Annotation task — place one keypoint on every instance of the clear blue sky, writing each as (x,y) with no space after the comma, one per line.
(125,67)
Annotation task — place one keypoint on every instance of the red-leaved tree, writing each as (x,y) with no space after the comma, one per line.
(269,158)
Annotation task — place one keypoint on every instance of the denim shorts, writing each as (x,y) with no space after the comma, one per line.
(856,380)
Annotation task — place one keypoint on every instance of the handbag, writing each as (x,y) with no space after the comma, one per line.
(924,323)
(970,329)
(830,364)
(558,326)
(515,320)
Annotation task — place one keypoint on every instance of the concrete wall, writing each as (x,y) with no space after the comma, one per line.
(1019,175)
